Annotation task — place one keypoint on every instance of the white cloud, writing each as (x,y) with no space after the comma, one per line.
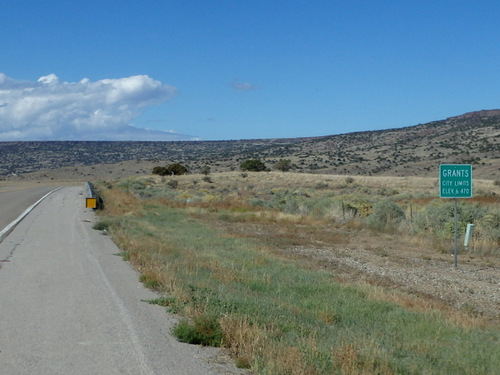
(50,109)
(243,86)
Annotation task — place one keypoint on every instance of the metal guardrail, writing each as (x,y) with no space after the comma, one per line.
(93,199)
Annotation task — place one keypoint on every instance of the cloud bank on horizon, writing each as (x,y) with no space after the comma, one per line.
(51,109)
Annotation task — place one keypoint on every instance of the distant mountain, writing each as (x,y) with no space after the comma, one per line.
(471,138)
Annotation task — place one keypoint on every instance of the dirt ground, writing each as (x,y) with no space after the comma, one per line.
(473,286)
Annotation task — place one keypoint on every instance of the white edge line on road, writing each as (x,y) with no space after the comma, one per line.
(12,225)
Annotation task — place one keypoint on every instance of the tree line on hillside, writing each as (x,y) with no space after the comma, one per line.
(249,165)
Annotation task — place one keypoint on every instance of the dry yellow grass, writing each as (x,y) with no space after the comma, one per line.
(239,184)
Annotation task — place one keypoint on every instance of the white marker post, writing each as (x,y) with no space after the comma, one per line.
(455,181)
(468,235)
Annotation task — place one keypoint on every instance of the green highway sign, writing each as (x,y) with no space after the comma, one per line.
(455,181)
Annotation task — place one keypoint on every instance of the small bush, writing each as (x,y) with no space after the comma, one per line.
(206,170)
(283,165)
(349,180)
(204,331)
(385,213)
(174,184)
(137,185)
(438,217)
(243,362)
(253,165)
(321,186)
(149,281)
(162,301)
(101,225)
(176,169)
(161,171)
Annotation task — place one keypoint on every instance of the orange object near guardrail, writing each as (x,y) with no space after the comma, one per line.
(91,203)
(93,199)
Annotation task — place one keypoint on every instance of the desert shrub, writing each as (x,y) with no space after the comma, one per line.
(206,170)
(176,169)
(160,171)
(438,217)
(257,202)
(347,211)
(491,223)
(487,231)
(470,213)
(150,281)
(173,169)
(253,165)
(298,202)
(385,213)
(357,206)
(349,180)
(207,179)
(101,225)
(283,165)
(284,200)
(174,184)
(433,218)
(137,185)
(321,185)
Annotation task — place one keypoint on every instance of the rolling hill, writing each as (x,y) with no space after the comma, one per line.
(471,138)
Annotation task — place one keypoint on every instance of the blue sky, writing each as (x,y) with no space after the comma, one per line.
(217,70)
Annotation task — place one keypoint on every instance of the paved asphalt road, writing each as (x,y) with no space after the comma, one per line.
(14,199)
(68,305)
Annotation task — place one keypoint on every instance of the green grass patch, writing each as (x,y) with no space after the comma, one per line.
(125,255)
(101,225)
(205,330)
(161,301)
(277,316)
(149,281)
